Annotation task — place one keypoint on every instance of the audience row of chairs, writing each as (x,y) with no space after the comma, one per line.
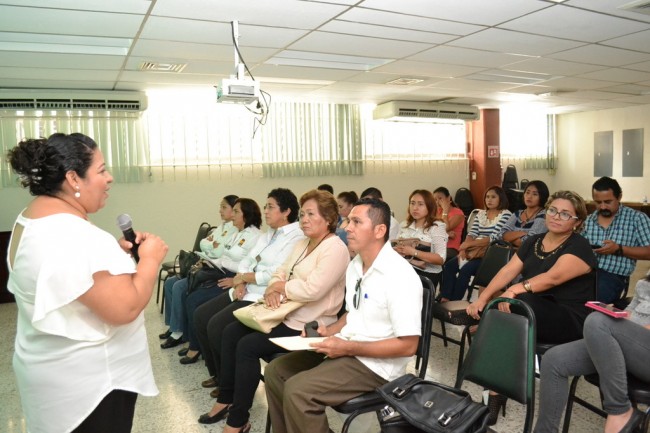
(502,357)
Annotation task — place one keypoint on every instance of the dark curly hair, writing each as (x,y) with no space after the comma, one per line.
(286,199)
(43,163)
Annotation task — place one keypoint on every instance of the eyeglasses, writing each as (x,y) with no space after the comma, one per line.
(564,216)
(357,295)
(269,207)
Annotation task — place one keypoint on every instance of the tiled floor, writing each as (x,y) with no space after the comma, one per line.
(182,400)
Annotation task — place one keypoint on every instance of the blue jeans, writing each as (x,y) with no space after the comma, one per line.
(174,290)
(454,286)
(612,348)
(611,286)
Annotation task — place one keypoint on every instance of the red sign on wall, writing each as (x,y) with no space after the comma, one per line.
(493,151)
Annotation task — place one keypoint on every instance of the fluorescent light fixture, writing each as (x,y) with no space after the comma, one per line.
(42,43)
(323,60)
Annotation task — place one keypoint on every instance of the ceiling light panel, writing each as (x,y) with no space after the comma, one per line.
(324,60)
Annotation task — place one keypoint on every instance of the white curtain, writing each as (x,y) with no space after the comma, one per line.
(119,135)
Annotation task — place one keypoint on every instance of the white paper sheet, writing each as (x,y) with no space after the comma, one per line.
(296,343)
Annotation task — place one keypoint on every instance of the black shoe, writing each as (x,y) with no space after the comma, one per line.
(496,402)
(171,342)
(633,422)
(165,335)
(184,351)
(207,419)
(210,383)
(214,393)
(190,359)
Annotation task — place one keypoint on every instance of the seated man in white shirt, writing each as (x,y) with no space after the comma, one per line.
(371,343)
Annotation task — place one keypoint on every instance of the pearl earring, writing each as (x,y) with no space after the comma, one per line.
(77,194)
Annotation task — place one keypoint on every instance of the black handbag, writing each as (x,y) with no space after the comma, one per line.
(416,405)
(186,259)
(203,275)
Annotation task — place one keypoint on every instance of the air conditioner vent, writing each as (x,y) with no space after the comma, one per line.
(60,100)
(403,110)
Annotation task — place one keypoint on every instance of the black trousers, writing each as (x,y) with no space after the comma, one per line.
(241,351)
(555,322)
(210,319)
(114,414)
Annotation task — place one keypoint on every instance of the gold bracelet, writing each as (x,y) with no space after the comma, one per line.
(527,286)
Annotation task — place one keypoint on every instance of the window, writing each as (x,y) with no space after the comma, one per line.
(527,134)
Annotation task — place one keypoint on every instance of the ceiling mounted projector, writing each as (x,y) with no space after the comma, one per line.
(238,89)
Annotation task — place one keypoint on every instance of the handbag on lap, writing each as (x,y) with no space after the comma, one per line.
(261,318)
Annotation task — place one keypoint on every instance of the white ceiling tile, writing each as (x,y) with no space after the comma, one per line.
(19,83)
(193,67)
(357,45)
(185,30)
(194,51)
(377,31)
(463,84)
(469,11)
(617,74)
(629,89)
(611,7)
(383,78)
(645,99)
(166,78)
(596,94)
(572,83)
(508,41)
(553,66)
(637,41)
(599,55)
(69,22)
(276,13)
(467,57)
(404,21)
(429,69)
(57,61)
(302,72)
(562,21)
(58,74)
(642,66)
(122,6)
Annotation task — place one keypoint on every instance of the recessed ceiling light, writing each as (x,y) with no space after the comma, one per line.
(66,44)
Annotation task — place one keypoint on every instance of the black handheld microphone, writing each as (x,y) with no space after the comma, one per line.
(125,224)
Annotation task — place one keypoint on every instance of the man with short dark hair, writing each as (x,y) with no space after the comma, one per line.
(619,235)
(371,343)
(372,192)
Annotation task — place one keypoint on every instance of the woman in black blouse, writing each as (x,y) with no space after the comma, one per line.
(558,275)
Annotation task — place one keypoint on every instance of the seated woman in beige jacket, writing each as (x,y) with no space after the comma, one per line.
(313,274)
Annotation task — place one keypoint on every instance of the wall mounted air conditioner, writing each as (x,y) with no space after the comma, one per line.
(15,99)
(410,110)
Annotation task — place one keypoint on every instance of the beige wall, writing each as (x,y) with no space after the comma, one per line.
(576,149)
(174,209)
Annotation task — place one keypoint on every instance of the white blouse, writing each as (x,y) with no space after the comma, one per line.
(435,235)
(66,358)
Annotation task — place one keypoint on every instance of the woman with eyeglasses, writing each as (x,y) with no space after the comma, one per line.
(314,274)
(558,271)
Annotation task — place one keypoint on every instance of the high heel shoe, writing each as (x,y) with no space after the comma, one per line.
(496,402)
(183,351)
(190,359)
(222,414)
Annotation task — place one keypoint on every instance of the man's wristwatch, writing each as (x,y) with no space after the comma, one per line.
(619,251)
